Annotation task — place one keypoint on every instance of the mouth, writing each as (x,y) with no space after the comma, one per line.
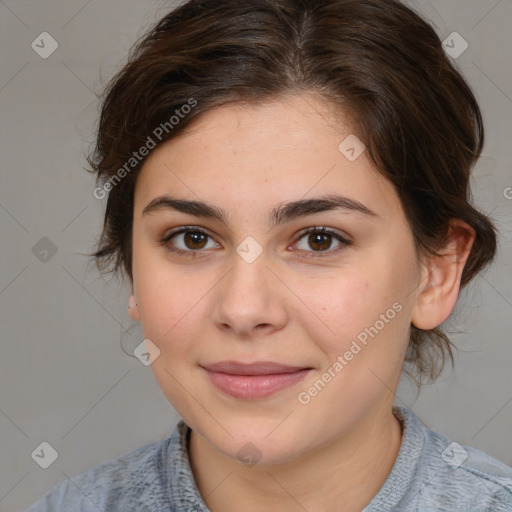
(254,380)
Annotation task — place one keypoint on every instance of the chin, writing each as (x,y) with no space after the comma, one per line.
(260,452)
(254,440)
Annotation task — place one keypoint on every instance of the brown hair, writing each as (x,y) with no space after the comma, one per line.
(377,59)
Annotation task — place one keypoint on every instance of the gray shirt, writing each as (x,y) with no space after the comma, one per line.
(430,474)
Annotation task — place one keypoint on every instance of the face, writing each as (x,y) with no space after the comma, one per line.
(252,285)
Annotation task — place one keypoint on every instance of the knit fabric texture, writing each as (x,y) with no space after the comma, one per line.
(431,474)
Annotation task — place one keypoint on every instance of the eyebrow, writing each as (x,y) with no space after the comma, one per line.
(283,213)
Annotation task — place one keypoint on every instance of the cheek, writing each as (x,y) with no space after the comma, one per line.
(166,296)
(337,307)
(167,313)
(170,311)
(348,305)
(363,310)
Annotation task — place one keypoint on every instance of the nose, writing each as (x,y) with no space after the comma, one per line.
(250,300)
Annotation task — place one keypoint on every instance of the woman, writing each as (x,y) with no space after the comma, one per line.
(288,188)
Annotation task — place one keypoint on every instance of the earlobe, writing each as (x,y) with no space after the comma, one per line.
(133,309)
(441,277)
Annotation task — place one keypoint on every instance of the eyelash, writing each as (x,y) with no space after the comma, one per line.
(318,254)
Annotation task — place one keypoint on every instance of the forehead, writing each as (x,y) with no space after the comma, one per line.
(255,156)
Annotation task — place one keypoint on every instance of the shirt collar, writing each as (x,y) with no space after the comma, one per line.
(184,494)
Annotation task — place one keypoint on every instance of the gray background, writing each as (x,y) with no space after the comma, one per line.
(64,377)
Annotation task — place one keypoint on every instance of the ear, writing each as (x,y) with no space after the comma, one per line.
(133,309)
(441,276)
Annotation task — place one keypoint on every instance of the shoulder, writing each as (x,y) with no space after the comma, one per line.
(459,477)
(133,481)
(460,473)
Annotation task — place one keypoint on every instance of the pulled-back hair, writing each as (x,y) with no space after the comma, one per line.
(377,60)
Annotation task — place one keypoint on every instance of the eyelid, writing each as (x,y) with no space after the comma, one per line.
(344,240)
(185,229)
(182,229)
(323,229)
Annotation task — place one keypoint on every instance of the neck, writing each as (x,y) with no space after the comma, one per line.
(343,475)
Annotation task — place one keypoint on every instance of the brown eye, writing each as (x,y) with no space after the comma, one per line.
(195,240)
(321,240)
(188,241)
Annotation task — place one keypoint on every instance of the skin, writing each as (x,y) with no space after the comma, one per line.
(290,305)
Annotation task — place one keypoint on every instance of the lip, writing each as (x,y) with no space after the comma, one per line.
(253,380)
